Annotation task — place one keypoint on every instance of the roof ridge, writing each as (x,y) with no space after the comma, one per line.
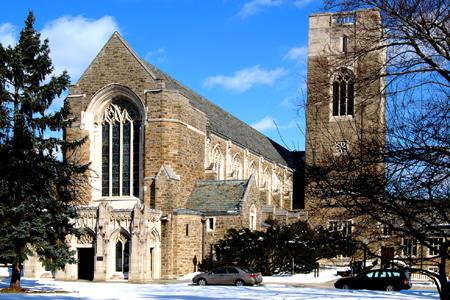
(195,99)
(117,35)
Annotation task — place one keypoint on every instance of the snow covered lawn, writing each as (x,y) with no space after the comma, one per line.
(274,288)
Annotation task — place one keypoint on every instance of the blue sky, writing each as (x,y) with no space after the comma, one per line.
(248,57)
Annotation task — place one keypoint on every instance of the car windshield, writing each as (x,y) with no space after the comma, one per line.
(246,270)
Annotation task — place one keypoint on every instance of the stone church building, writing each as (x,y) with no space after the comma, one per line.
(171,171)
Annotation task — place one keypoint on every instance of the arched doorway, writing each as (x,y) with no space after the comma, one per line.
(122,262)
(85,256)
(121,256)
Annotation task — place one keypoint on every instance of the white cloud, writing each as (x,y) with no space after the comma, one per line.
(291,124)
(269,123)
(265,124)
(75,41)
(302,3)
(158,56)
(255,6)
(8,34)
(245,79)
(288,102)
(298,54)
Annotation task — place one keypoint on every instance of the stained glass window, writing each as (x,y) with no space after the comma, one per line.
(105,160)
(120,149)
(126,159)
(136,132)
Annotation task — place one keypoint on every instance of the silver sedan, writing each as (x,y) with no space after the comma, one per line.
(238,276)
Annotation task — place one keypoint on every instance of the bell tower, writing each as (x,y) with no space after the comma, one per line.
(345,110)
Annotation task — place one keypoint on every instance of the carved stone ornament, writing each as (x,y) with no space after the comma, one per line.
(340,148)
(121,217)
(86,239)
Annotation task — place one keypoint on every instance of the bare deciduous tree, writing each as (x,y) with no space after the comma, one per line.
(392,179)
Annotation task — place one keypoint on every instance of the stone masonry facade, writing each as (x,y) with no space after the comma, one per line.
(152,144)
(171,172)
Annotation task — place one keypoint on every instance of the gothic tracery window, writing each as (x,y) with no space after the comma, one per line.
(217,162)
(278,182)
(343,93)
(236,167)
(120,149)
(122,259)
(252,170)
(266,179)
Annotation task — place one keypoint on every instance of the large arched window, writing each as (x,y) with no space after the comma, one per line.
(120,149)
(343,93)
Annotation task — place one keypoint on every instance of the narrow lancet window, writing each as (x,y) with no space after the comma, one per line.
(343,94)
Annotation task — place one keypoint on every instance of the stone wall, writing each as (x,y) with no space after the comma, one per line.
(326,57)
(176,148)
(274,181)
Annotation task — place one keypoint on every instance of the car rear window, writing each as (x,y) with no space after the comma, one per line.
(395,274)
(246,270)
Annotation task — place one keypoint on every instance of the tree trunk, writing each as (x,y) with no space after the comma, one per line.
(442,277)
(15,277)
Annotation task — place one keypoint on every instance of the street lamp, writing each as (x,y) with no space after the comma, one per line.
(203,242)
(211,254)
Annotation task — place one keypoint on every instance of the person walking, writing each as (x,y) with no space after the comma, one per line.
(352,266)
(359,266)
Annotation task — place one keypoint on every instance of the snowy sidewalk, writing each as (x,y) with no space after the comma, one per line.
(276,288)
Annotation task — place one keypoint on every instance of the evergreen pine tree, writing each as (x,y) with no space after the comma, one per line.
(37,189)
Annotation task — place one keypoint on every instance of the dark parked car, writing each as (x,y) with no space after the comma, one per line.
(389,280)
(229,275)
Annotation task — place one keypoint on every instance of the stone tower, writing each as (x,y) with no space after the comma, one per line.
(345,112)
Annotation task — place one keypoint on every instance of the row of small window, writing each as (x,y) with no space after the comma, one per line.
(410,247)
(347,226)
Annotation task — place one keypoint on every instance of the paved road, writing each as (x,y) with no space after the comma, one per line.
(319,285)
(330,285)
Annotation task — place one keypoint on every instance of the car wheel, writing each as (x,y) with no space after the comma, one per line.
(202,281)
(346,287)
(240,282)
(390,288)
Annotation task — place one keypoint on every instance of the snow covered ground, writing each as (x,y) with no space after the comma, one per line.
(276,288)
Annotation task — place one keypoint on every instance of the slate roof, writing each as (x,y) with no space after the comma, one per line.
(217,196)
(224,123)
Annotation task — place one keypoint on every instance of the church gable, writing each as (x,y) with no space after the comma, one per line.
(115,63)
